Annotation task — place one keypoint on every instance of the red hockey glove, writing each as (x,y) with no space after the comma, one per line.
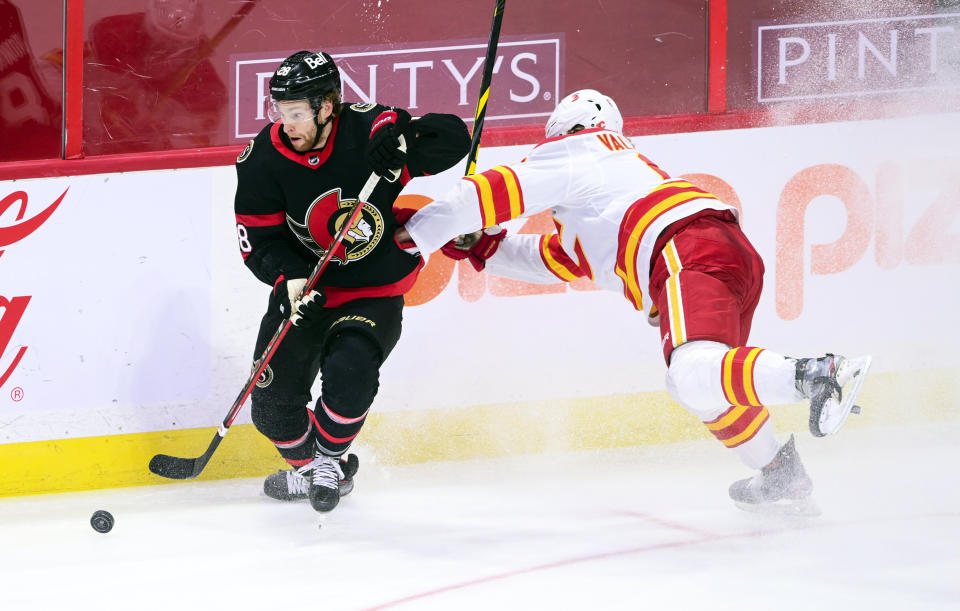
(483,249)
(383,152)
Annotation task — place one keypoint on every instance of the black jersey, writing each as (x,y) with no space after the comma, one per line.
(289,205)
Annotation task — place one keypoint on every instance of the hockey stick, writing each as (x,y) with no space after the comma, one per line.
(174,467)
(466,241)
(485,86)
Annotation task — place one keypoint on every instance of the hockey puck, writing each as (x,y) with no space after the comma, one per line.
(101,521)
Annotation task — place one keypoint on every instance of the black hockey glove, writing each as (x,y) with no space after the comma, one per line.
(285,292)
(383,149)
(309,309)
(284,299)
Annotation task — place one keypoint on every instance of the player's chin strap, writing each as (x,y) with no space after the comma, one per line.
(320,127)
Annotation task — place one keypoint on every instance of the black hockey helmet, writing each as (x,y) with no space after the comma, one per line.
(305,75)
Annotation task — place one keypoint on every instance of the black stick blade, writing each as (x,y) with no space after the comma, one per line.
(173,467)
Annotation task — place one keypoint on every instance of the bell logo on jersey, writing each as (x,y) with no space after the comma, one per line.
(326,216)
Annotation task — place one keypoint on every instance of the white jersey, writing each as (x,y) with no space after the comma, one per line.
(609,202)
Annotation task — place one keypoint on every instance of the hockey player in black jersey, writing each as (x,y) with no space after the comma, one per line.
(296,184)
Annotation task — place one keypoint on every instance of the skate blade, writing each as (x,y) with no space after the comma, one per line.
(851,374)
(349,466)
(804,507)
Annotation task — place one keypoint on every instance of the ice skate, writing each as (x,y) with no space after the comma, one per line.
(328,481)
(781,487)
(831,383)
(291,485)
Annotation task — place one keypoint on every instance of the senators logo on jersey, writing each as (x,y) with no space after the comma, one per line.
(326,216)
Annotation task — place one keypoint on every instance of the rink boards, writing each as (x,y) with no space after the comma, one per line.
(128,319)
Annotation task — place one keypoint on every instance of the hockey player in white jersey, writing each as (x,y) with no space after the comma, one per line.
(668,247)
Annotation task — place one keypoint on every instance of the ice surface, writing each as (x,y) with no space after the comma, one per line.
(636,528)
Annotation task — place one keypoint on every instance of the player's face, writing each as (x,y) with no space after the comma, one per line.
(298,123)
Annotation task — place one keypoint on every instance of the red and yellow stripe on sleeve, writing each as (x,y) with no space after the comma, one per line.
(499,193)
(635,222)
(557,260)
(742,421)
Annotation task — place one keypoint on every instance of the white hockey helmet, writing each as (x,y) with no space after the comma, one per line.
(586,107)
